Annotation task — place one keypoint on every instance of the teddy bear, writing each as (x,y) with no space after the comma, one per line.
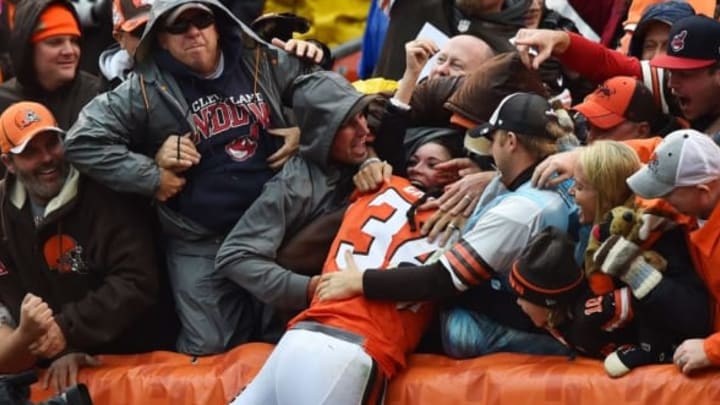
(639,228)
(633,224)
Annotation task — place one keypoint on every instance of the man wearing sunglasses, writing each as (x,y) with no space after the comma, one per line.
(193,127)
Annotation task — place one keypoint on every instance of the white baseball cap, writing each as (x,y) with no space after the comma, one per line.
(684,158)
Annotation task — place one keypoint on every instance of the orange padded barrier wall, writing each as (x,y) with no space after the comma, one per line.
(163,378)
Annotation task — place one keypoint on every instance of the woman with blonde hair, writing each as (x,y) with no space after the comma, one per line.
(647,283)
(604,166)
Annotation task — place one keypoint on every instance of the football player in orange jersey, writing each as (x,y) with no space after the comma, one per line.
(356,345)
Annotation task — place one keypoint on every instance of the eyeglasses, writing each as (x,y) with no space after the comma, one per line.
(199,21)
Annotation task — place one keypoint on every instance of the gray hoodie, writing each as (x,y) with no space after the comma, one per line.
(118,133)
(308,186)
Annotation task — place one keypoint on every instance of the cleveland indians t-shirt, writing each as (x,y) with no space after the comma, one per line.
(231,118)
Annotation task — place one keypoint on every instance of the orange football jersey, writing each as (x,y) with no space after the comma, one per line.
(376,229)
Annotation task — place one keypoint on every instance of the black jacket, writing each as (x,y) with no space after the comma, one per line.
(92,259)
(66,102)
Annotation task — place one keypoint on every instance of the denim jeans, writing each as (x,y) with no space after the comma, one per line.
(468,334)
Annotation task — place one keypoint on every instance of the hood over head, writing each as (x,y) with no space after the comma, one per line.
(322,102)
(229,27)
(27,16)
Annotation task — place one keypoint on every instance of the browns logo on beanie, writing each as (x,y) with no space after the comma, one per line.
(546,273)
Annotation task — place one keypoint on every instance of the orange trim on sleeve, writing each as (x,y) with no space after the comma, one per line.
(463,272)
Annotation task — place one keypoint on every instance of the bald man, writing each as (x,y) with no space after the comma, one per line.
(460,55)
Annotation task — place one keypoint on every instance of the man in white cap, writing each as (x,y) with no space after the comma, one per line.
(684,170)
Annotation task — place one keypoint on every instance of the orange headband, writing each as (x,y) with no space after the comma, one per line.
(55,20)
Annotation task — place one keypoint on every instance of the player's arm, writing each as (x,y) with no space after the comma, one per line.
(417,283)
(435,281)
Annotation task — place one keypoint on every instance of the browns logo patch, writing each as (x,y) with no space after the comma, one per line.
(63,254)
(25,118)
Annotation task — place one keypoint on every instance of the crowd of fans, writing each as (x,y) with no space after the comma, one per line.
(208,183)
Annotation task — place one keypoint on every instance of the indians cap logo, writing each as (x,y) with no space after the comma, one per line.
(678,42)
(24,119)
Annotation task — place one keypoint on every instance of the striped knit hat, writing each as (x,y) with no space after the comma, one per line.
(546,273)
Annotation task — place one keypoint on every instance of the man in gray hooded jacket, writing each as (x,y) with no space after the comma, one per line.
(202,73)
(316,182)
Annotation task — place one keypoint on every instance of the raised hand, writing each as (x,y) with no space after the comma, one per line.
(535,46)
(301,49)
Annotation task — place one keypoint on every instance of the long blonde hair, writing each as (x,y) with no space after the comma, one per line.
(607,164)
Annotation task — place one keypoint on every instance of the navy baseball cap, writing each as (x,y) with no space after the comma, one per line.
(522,113)
(694,43)
(667,12)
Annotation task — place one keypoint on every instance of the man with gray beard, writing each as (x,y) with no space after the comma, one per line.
(77,261)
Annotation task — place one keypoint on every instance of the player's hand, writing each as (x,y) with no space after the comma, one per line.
(555,169)
(691,356)
(535,46)
(372,176)
(177,153)
(342,284)
(35,318)
(301,49)
(62,373)
(290,146)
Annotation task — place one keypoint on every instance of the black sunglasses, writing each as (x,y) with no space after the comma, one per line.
(199,21)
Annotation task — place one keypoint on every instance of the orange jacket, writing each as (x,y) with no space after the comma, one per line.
(704,245)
